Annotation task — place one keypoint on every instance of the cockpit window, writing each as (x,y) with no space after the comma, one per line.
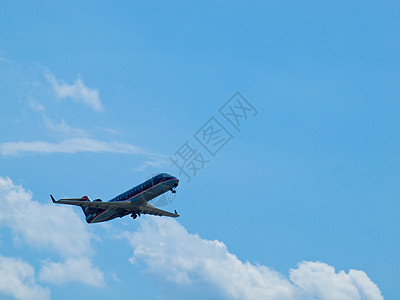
(162,175)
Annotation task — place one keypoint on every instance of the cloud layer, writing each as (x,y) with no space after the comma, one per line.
(40,226)
(81,144)
(186,259)
(171,254)
(17,279)
(73,145)
(77,92)
(69,139)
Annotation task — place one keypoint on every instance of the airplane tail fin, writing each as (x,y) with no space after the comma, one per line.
(85,209)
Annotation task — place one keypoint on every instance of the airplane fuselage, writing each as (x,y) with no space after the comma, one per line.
(133,201)
(136,197)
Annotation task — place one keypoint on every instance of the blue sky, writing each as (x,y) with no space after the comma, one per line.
(301,202)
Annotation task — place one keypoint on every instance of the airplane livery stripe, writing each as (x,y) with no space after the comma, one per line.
(141,191)
(98,216)
(134,201)
(132,197)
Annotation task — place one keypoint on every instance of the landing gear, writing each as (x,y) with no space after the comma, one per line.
(172,190)
(135,215)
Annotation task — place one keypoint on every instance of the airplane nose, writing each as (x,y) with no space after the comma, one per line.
(176,183)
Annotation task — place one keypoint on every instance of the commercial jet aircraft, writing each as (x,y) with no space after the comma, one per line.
(133,201)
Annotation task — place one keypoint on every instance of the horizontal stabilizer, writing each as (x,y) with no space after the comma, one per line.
(85,202)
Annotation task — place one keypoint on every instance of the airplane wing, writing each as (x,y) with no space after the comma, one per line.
(151,210)
(117,206)
(93,204)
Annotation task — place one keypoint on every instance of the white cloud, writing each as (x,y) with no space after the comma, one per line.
(35,106)
(3,59)
(72,270)
(158,163)
(17,278)
(64,128)
(82,144)
(74,145)
(51,227)
(77,92)
(186,259)
(321,281)
(41,225)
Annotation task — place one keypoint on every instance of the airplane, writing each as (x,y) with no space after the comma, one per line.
(133,201)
